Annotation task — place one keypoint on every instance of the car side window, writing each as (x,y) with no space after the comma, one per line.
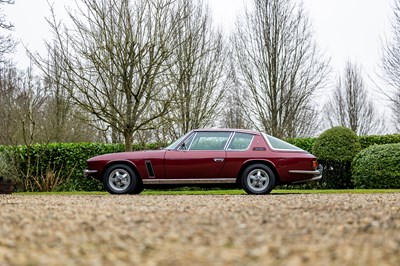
(240,141)
(213,141)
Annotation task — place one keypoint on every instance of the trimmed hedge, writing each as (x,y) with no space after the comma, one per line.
(68,161)
(64,160)
(377,166)
(367,141)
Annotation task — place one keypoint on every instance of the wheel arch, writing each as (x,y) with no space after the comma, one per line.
(264,162)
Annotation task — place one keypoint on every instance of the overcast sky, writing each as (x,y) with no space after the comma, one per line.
(344,29)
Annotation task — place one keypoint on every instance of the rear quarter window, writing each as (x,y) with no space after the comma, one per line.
(240,141)
(278,144)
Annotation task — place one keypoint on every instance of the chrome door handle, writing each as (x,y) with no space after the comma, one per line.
(218,160)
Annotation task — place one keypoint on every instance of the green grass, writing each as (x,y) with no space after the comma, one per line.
(227,192)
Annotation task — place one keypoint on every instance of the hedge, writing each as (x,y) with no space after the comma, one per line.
(377,166)
(367,141)
(69,160)
(32,164)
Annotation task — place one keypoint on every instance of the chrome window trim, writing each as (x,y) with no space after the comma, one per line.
(191,142)
(229,140)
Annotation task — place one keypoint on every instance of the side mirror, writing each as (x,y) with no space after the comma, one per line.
(182,147)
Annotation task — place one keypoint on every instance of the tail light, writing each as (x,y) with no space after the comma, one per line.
(315,164)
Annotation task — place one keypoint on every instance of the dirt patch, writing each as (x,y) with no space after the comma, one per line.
(338,229)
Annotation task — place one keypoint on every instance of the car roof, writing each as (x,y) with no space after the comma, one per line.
(254,132)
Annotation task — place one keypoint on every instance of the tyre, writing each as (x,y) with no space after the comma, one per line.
(258,179)
(121,179)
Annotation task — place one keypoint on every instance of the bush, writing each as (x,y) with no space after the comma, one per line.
(338,144)
(367,141)
(59,166)
(335,149)
(377,167)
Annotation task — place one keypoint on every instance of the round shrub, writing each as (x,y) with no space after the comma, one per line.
(335,149)
(377,167)
(338,144)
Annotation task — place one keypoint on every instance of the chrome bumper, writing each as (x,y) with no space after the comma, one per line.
(317,174)
(87,172)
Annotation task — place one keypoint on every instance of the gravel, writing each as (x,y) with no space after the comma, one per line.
(292,229)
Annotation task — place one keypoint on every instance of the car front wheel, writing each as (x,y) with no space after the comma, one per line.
(258,179)
(121,179)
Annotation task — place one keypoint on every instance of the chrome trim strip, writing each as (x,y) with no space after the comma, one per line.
(229,140)
(314,172)
(87,172)
(190,181)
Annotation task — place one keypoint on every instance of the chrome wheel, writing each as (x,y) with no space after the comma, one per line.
(258,180)
(119,180)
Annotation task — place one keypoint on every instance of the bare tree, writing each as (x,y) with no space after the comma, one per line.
(7,43)
(279,67)
(390,65)
(233,114)
(196,75)
(22,99)
(68,123)
(115,56)
(350,106)
(8,94)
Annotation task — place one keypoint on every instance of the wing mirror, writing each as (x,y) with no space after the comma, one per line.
(182,147)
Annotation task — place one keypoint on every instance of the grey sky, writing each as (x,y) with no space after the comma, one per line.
(345,29)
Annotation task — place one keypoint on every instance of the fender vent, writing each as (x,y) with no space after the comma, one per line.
(150,169)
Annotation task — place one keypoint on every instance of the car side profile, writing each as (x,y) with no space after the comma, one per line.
(253,160)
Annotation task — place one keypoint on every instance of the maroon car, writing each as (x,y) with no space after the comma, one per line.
(251,159)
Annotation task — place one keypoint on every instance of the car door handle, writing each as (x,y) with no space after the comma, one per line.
(218,160)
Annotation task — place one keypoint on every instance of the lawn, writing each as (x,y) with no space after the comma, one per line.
(226,192)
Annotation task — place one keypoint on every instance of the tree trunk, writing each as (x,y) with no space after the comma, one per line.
(128,141)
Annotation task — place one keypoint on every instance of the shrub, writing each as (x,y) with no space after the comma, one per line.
(59,166)
(338,144)
(377,167)
(335,149)
(367,141)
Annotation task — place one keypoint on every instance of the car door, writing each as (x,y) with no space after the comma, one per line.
(202,155)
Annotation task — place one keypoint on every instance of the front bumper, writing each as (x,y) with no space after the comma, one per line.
(87,172)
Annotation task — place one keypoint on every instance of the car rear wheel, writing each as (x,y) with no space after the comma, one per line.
(121,179)
(258,179)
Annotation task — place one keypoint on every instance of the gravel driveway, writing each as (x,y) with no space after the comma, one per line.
(303,229)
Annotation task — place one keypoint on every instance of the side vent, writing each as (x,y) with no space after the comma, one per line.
(150,169)
(259,149)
